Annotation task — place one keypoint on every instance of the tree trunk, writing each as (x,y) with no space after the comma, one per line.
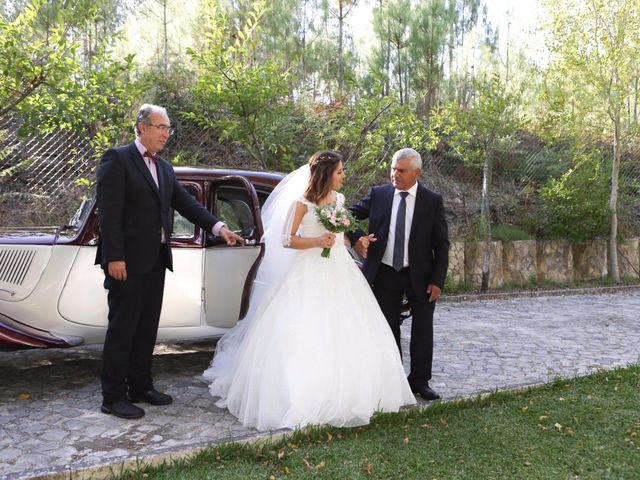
(340,46)
(400,73)
(613,201)
(485,218)
(166,39)
(635,100)
(303,59)
(387,60)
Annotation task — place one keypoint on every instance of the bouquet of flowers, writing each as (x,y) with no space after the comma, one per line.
(336,219)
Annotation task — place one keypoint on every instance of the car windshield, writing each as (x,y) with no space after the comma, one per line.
(81,214)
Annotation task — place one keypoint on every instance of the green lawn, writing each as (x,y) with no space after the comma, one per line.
(583,428)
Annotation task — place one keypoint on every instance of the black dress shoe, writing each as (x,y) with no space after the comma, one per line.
(152,397)
(122,409)
(425,392)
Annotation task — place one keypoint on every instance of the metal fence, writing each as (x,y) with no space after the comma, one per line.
(39,176)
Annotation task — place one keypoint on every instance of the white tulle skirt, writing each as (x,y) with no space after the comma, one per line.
(318,350)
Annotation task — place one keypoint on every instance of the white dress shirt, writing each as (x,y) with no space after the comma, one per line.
(387,258)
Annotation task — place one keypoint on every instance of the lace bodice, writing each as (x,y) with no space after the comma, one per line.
(309,226)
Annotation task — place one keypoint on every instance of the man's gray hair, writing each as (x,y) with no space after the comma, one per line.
(408,154)
(144,115)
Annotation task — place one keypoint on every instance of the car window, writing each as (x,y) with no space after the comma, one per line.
(182,228)
(232,205)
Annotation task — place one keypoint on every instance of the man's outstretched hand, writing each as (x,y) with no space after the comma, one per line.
(230,237)
(362,245)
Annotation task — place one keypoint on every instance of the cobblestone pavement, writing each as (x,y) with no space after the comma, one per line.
(49,399)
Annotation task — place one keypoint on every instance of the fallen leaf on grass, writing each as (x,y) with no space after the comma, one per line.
(558,426)
(24,396)
(443,422)
(320,465)
(367,468)
(405,440)
(527,463)
(543,417)
(281,453)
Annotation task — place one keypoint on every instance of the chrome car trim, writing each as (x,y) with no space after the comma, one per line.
(71,340)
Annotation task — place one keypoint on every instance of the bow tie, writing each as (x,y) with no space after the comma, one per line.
(153,158)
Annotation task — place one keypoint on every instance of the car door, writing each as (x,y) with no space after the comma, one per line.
(83,299)
(229,270)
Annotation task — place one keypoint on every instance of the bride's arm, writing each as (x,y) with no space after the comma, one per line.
(299,243)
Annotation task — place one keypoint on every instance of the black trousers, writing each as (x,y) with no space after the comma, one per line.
(389,289)
(134,314)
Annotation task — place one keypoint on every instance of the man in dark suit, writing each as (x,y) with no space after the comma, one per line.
(135,192)
(406,253)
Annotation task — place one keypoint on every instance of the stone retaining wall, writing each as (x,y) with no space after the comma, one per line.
(518,262)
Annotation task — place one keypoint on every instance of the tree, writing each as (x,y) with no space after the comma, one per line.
(341,10)
(478,135)
(44,83)
(594,45)
(243,100)
(428,37)
(163,18)
(399,28)
(462,16)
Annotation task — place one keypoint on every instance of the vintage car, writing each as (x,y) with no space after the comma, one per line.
(52,295)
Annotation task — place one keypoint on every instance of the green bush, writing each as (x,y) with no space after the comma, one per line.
(575,206)
(508,233)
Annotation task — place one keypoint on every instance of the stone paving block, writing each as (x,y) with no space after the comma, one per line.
(54,435)
(8,455)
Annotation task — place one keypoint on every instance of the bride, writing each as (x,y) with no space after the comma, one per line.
(314,347)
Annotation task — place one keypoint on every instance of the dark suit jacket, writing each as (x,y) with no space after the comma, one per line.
(428,240)
(132,210)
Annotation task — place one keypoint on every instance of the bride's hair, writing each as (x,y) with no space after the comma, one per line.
(322,164)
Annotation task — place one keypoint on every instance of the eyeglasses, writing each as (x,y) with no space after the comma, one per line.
(163,128)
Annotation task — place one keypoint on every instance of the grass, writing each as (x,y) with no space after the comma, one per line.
(586,428)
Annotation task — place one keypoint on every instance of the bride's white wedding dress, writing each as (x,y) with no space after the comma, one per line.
(316,350)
